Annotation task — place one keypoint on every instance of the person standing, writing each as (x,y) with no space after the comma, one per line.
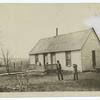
(59,71)
(75,72)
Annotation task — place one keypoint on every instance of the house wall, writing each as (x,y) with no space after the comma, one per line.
(61,57)
(32,59)
(92,43)
(97,54)
(75,59)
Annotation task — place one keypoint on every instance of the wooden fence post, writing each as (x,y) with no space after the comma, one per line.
(14,67)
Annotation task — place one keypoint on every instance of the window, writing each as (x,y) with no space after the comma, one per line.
(68,59)
(36,59)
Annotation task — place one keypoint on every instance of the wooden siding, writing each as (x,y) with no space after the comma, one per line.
(61,57)
(92,43)
(76,59)
(32,59)
(97,53)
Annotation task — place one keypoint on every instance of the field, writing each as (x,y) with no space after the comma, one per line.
(88,81)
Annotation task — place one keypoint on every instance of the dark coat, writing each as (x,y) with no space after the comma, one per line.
(59,67)
(75,68)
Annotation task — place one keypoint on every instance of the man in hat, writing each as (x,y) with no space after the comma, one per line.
(59,71)
(75,72)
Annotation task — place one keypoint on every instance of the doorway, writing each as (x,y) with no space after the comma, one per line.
(45,59)
(93,59)
(53,58)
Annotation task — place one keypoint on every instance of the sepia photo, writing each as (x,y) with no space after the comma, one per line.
(49,48)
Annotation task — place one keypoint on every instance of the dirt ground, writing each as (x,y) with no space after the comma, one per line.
(88,81)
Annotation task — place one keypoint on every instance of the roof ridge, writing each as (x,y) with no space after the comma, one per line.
(67,33)
(51,44)
(77,31)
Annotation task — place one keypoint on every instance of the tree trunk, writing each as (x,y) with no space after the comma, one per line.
(7,68)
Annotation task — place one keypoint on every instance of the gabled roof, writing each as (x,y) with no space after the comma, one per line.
(65,42)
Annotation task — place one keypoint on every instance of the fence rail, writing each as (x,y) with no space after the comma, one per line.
(32,67)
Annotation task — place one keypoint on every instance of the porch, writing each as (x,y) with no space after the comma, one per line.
(42,68)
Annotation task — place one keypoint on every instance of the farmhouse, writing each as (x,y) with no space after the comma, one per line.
(72,48)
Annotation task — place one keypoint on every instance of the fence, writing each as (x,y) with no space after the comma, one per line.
(20,68)
(11,69)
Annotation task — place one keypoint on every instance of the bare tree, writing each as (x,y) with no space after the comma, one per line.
(6,58)
(23,78)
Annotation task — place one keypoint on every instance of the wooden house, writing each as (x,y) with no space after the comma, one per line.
(72,48)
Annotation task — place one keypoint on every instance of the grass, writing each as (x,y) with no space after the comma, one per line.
(85,85)
(88,81)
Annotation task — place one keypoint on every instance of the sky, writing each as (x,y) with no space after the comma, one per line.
(22,25)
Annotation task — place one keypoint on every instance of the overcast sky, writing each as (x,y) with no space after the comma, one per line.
(22,25)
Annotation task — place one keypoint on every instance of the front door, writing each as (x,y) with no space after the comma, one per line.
(93,59)
(53,58)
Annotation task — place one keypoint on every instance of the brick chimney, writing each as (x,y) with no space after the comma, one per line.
(56,31)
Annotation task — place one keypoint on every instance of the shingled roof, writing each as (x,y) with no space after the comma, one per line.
(65,42)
